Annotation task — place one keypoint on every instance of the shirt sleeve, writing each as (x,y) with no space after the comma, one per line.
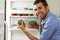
(48,30)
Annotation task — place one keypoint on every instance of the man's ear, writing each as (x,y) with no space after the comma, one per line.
(47,8)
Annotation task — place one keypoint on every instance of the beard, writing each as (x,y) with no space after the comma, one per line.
(41,15)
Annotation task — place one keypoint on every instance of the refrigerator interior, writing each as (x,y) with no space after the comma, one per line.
(17,34)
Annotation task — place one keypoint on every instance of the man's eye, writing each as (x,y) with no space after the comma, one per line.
(35,9)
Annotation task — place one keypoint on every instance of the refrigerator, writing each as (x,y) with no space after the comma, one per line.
(20,10)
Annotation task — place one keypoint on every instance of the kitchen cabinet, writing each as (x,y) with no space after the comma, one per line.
(17,10)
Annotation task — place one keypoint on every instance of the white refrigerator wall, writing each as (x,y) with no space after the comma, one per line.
(2,19)
(54,6)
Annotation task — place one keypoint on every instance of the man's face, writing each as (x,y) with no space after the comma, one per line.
(41,10)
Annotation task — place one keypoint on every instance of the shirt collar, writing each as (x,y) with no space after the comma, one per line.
(43,22)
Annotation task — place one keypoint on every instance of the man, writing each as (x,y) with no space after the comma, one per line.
(50,23)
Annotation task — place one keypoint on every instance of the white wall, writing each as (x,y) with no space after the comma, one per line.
(54,6)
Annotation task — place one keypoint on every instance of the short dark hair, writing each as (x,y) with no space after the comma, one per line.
(43,1)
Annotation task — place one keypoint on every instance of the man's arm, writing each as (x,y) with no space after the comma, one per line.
(31,37)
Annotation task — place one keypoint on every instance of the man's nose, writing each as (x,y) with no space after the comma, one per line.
(38,10)
(37,13)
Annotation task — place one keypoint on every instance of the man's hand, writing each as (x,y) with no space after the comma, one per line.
(31,37)
(21,26)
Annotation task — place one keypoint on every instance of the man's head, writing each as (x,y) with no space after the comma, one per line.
(41,8)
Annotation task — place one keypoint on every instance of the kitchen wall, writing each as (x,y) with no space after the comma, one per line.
(54,6)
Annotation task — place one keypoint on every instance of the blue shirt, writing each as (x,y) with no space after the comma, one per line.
(51,28)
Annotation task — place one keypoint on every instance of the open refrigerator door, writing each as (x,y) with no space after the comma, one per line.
(2,13)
